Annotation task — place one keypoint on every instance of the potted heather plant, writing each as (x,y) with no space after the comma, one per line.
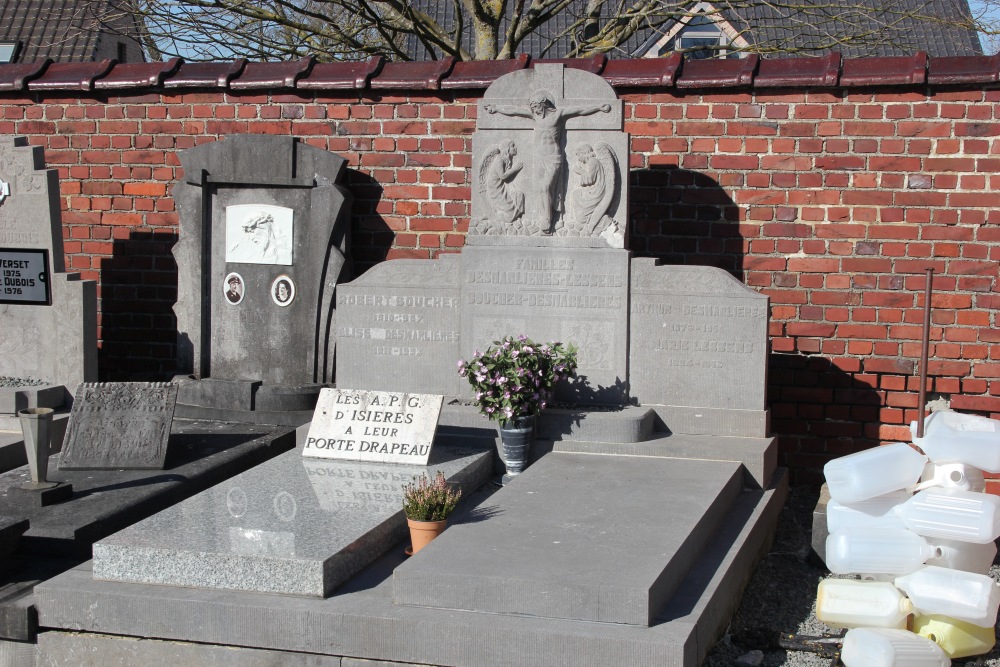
(512,382)
(427,504)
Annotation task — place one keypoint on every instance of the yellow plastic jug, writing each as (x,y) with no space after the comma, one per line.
(958,638)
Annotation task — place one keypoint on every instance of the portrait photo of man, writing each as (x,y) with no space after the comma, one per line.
(233,288)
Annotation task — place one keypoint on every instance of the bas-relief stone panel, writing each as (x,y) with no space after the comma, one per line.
(569,295)
(699,338)
(398,327)
(550,161)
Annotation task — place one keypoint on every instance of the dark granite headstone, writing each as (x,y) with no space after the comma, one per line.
(119,425)
(263,235)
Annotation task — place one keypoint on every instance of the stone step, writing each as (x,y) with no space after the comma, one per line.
(293,525)
(592,538)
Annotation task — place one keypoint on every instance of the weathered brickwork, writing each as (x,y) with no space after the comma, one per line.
(833,202)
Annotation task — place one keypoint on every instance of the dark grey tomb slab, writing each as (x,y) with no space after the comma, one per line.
(592,538)
(119,425)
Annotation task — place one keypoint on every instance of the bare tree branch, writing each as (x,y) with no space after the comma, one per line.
(488,29)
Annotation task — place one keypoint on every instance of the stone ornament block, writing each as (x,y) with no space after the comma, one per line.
(119,425)
(698,338)
(550,162)
(387,427)
(271,212)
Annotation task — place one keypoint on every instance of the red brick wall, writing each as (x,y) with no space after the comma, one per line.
(832,202)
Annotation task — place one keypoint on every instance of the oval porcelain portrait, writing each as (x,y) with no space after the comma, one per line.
(233,288)
(283,290)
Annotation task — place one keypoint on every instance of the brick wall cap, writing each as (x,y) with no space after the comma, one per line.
(341,76)
(964,69)
(594,64)
(138,75)
(800,72)
(469,74)
(272,75)
(205,75)
(886,71)
(71,76)
(412,75)
(15,76)
(718,73)
(641,72)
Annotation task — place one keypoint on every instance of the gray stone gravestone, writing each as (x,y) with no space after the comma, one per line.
(263,242)
(698,349)
(46,349)
(119,425)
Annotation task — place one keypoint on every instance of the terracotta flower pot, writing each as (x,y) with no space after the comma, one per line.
(422,532)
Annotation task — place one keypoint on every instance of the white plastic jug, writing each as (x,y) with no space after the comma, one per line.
(952,475)
(958,638)
(965,596)
(845,603)
(953,514)
(873,472)
(952,436)
(965,556)
(877,511)
(879,549)
(886,647)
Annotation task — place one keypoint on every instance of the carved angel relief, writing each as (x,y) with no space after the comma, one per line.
(589,202)
(496,175)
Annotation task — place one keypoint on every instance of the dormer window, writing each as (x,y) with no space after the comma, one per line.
(704,33)
(8,51)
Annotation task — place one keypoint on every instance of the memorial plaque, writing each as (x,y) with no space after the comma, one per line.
(359,425)
(699,338)
(24,276)
(119,425)
(568,295)
(398,328)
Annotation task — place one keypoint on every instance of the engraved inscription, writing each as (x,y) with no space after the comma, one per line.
(119,425)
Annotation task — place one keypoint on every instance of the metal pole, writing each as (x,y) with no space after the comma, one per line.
(925,346)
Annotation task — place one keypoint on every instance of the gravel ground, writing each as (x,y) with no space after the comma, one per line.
(781,596)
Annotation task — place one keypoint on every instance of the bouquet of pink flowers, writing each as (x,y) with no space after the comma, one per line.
(515,376)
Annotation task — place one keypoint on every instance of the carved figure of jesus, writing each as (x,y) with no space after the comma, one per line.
(549,122)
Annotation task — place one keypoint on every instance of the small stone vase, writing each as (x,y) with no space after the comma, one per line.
(36,427)
(422,532)
(516,436)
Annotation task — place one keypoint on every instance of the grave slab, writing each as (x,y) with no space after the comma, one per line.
(11,528)
(119,425)
(104,501)
(580,537)
(361,621)
(293,525)
(759,456)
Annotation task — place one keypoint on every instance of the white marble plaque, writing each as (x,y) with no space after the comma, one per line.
(259,234)
(360,425)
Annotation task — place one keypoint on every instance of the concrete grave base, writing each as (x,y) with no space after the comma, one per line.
(17,654)
(361,621)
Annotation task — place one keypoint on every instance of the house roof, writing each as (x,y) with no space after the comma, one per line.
(894,25)
(65,31)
